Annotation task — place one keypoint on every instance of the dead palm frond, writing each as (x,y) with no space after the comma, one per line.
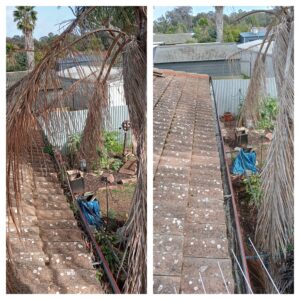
(275,222)
(274,231)
(30,105)
(256,92)
(136,228)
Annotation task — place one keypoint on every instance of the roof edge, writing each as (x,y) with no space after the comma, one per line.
(181,74)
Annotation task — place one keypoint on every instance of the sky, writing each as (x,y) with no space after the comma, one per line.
(48,20)
(158,11)
(50,17)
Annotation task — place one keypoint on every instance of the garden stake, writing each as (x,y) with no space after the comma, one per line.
(124,146)
(126,125)
(106,204)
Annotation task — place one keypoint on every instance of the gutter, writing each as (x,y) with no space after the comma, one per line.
(236,238)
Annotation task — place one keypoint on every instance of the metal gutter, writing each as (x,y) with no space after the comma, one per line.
(97,248)
(231,197)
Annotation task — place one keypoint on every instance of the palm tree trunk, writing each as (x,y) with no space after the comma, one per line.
(92,136)
(219,23)
(29,47)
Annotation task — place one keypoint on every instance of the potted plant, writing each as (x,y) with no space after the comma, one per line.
(228,117)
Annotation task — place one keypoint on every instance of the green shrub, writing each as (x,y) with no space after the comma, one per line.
(111,214)
(111,147)
(107,162)
(104,159)
(48,149)
(253,189)
(267,113)
(73,145)
(116,164)
(111,143)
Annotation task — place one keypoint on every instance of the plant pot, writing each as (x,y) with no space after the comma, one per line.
(76,181)
(228,117)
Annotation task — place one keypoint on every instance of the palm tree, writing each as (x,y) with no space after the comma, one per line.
(219,23)
(25,16)
(275,221)
(133,21)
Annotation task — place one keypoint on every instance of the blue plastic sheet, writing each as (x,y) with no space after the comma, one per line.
(244,161)
(91,211)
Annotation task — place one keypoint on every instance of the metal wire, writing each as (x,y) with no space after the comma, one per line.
(248,284)
(202,282)
(271,279)
(223,279)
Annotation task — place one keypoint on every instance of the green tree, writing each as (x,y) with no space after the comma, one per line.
(160,25)
(204,31)
(181,15)
(25,16)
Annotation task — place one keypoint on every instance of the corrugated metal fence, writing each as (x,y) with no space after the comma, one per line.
(63,124)
(230,93)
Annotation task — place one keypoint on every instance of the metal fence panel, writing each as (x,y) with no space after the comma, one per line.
(62,124)
(230,93)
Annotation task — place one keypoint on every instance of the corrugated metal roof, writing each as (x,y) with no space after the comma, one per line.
(195,52)
(252,34)
(175,38)
(254,46)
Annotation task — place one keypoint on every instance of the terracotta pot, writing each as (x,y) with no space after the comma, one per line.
(228,117)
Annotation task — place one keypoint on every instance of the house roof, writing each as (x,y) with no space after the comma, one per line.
(89,72)
(187,187)
(13,77)
(254,46)
(252,34)
(175,38)
(80,59)
(195,52)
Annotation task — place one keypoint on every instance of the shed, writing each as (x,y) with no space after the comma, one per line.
(246,37)
(90,73)
(249,53)
(200,58)
(82,60)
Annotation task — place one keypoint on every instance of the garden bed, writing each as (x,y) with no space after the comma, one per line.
(247,209)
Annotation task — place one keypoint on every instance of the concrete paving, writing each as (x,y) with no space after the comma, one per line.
(190,235)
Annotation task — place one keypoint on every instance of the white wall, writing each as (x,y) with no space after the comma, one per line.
(248,60)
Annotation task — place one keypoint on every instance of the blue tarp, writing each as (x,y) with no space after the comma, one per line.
(91,211)
(244,161)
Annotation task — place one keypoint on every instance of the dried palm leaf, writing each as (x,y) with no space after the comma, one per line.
(275,226)
(136,228)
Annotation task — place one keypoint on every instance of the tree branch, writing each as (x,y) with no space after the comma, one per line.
(271,12)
